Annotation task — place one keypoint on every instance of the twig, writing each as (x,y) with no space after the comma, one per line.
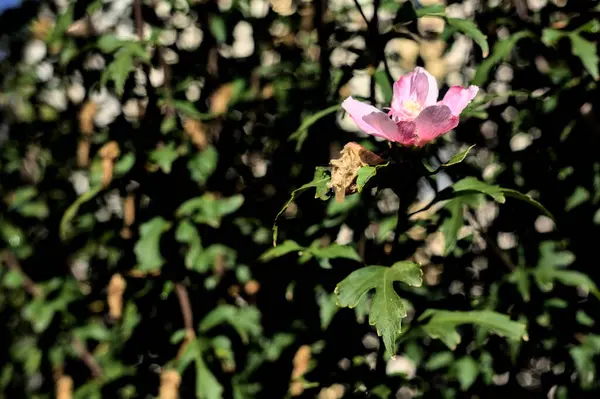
(490,242)
(13,264)
(139,19)
(186,307)
(88,358)
(373,27)
(362,13)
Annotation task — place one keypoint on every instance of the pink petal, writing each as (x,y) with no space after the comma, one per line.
(419,86)
(425,87)
(457,98)
(358,110)
(401,91)
(434,121)
(401,132)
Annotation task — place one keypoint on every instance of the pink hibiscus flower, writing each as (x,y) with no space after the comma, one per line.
(415,117)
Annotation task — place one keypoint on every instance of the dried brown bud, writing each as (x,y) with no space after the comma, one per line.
(116,288)
(80,28)
(64,387)
(110,150)
(41,27)
(219,100)
(86,117)
(344,169)
(169,384)
(129,210)
(252,287)
(196,132)
(83,153)
(301,361)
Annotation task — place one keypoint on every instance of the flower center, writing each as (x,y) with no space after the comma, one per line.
(412,108)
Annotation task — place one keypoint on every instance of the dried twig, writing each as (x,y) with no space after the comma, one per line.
(12,262)
(88,358)
(186,307)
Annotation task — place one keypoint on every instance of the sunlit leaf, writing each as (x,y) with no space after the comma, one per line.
(282,249)
(320,183)
(165,156)
(467,370)
(442,325)
(147,249)
(470,29)
(387,309)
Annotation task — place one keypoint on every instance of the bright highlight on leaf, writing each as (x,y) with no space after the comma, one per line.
(387,309)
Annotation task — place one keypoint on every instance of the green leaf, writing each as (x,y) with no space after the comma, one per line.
(217,27)
(22,196)
(436,10)
(188,234)
(207,385)
(439,360)
(520,278)
(551,36)
(327,306)
(188,109)
(147,249)
(500,52)
(583,357)
(458,157)
(203,164)
(587,53)
(527,198)
(469,28)
(572,278)
(280,250)
(452,224)
(124,164)
(301,134)
(467,370)
(13,279)
(168,124)
(334,251)
(208,209)
(442,324)
(552,256)
(387,309)
(109,43)
(36,209)
(118,70)
(245,320)
(320,183)
(365,173)
(65,221)
(584,319)
(165,156)
(579,196)
(470,184)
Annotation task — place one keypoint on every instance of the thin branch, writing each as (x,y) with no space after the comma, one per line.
(13,264)
(186,307)
(362,13)
(88,358)
(139,19)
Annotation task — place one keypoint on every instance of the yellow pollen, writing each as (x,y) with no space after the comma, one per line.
(412,107)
